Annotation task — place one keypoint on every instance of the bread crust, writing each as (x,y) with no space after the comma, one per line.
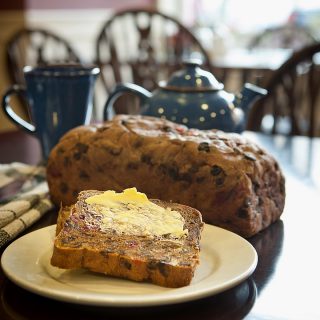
(80,243)
(234,183)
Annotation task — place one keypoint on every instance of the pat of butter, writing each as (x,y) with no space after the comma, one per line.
(131,213)
(130,195)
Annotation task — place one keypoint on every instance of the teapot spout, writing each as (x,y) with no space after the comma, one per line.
(244,101)
(249,94)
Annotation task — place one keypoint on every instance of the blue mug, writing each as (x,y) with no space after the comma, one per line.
(59,98)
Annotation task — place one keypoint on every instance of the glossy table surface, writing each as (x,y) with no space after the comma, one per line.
(285,284)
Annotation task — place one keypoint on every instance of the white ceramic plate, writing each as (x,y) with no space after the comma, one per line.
(226,259)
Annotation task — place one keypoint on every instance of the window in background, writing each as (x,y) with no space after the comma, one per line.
(226,24)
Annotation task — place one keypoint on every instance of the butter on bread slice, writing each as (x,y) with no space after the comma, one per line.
(136,239)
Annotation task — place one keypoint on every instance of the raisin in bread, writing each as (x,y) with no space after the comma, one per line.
(233,183)
(166,260)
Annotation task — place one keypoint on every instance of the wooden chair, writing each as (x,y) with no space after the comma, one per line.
(143,46)
(288,36)
(36,47)
(292,105)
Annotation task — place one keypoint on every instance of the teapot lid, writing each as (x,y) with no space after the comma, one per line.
(192,79)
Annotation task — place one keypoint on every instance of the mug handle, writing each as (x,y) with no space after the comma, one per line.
(18,90)
(121,88)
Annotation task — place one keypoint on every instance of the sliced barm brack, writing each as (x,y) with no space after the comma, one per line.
(121,239)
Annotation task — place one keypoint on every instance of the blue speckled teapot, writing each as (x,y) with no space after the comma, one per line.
(194,97)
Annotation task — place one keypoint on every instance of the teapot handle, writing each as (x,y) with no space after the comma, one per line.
(121,88)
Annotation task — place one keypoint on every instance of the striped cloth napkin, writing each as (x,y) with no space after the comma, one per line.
(28,204)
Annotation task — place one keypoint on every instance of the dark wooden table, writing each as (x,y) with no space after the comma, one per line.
(285,284)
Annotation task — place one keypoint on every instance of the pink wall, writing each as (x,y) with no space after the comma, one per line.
(73,4)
